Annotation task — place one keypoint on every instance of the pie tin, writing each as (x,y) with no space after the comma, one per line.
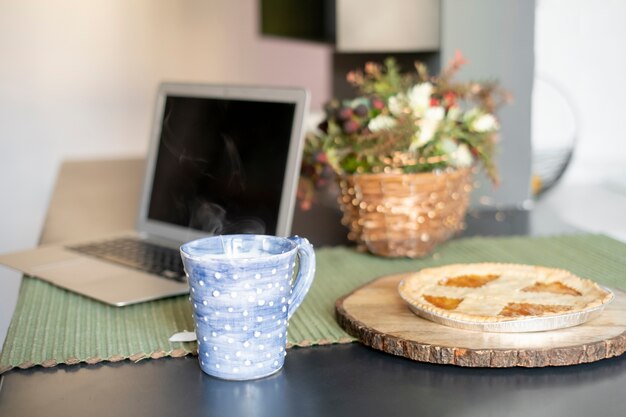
(519,325)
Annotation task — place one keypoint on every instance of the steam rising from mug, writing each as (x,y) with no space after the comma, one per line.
(211,218)
(226,175)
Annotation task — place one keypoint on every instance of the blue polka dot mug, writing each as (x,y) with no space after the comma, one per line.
(244,289)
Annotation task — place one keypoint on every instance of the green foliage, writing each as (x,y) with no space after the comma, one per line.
(406,123)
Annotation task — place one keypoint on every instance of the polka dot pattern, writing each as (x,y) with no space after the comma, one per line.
(233,310)
(241,308)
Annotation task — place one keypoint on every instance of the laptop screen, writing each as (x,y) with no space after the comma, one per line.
(220,164)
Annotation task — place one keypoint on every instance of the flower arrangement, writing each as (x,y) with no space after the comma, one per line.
(404,123)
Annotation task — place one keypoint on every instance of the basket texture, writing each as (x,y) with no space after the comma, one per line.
(404,215)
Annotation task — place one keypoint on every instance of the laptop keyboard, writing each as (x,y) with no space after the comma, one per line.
(138,254)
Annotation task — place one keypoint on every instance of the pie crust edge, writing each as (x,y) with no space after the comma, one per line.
(454,270)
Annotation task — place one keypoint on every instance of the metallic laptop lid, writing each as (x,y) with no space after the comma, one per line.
(222,159)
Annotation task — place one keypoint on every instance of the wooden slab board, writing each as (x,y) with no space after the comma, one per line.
(379,318)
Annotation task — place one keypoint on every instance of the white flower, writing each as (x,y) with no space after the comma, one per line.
(448,146)
(428,126)
(454,113)
(419,97)
(425,134)
(435,113)
(484,123)
(381,122)
(460,155)
(396,104)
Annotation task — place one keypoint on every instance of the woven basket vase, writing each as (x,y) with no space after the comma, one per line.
(404,215)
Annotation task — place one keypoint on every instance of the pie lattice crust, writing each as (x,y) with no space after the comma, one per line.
(493,292)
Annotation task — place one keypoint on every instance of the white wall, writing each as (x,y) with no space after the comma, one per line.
(580,44)
(496,37)
(78,78)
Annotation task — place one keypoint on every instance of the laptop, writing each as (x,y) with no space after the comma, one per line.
(221,160)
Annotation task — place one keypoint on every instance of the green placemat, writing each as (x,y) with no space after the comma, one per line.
(52,326)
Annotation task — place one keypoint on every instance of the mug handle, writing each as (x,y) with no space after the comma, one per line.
(306,273)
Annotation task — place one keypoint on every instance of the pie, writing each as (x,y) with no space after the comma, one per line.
(495,293)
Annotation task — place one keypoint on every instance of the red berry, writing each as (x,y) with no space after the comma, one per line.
(450,98)
(377,103)
(350,126)
(434,102)
(344,113)
(321,157)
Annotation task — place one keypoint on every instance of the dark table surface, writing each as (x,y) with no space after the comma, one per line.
(337,380)
(340,380)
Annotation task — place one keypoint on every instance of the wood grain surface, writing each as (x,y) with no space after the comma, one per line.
(379,318)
